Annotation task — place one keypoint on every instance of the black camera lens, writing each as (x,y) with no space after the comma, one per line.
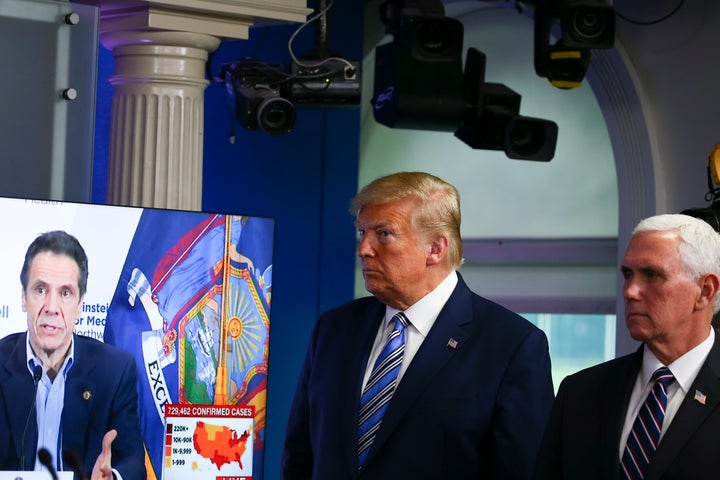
(434,38)
(530,138)
(276,115)
(589,25)
(526,138)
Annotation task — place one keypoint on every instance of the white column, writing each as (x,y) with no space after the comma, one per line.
(156,141)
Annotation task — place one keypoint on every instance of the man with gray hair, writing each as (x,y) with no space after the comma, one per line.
(654,413)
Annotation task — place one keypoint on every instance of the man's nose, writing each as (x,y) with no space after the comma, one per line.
(52,302)
(630,289)
(364,249)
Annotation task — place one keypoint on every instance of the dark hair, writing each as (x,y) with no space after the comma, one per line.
(61,243)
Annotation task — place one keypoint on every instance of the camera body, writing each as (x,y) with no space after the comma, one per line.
(495,123)
(583,25)
(262,107)
(418,80)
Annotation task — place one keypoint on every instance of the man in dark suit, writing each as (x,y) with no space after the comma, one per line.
(670,270)
(69,395)
(473,388)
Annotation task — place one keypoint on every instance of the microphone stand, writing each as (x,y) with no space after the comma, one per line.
(71,459)
(47,461)
(37,375)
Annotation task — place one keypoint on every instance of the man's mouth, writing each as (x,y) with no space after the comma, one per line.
(49,328)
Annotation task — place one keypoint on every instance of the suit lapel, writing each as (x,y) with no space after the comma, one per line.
(18,387)
(429,359)
(80,395)
(617,396)
(691,413)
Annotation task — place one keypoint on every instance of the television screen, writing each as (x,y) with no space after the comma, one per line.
(189,295)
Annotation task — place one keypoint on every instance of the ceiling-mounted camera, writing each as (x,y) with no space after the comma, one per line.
(583,25)
(418,77)
(259,91)
(263,95)
(263,108)
(587,24)
(420,84)
(494,121)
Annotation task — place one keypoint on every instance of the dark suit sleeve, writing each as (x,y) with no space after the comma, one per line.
(524,401)
(128,454)
(549,462)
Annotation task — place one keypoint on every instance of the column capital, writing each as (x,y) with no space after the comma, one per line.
(156,39)
(220,18)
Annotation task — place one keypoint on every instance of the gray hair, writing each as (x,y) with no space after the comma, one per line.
(699,246)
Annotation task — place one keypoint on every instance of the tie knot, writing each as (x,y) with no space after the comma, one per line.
(401,321)
(663,375)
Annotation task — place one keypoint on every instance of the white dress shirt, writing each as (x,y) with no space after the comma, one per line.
(422,315)
(684,369)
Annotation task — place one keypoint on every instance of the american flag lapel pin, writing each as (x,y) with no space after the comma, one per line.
(452,343)
(700,397)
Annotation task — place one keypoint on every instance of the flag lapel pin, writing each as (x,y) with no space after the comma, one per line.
(700,397)
(452,343)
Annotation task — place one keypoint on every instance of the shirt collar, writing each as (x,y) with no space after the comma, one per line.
(33,360)
(685,368)
(422,314)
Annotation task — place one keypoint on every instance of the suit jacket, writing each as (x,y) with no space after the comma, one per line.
(583,436)
(475,410)
(100,394)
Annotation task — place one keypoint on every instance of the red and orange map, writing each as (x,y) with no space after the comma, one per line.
(219,444)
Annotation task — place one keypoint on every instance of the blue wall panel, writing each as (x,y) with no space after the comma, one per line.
(304,179)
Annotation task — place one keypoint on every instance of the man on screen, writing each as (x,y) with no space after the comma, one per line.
(69,396)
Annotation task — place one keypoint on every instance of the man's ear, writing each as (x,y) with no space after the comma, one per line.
(438,250)
(709,285)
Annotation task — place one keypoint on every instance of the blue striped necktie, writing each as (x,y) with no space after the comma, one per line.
(645,433)
(380,386)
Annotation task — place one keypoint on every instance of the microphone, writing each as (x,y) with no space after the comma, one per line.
(37,375)
(46,459)
(72,460)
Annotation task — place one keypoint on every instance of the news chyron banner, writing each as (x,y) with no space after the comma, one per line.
(187,293)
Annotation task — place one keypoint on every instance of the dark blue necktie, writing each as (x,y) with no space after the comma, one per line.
(380,386)
(645,433)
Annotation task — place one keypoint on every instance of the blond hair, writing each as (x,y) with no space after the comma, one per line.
(438,212)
